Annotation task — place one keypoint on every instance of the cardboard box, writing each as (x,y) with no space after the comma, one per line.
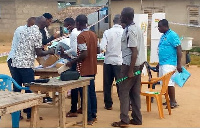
(47,60)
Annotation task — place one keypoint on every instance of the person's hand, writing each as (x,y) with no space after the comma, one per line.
(51,51)
(130,74)
(179,68)
(68,64)
(56,35)
(157,67)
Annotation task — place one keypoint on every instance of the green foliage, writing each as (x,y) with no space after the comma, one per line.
(3,59)
(195,49)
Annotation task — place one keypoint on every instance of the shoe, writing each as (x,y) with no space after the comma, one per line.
(47,100)
(70,114)
(120,124)
(165,103)
(173,105)
(28,119)
(88,123)
(79,111)
(21,118)
(94,120)
(110,108)
(134,123)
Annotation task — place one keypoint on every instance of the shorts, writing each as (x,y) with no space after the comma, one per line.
(164,69)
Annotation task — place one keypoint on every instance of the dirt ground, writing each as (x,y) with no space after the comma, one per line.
(186,115)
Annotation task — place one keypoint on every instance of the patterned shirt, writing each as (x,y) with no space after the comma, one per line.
(15,41)
(30,39)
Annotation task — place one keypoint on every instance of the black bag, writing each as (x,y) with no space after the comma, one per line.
(69,75)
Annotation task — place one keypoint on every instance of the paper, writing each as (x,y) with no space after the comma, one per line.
(62,69)
(181,78)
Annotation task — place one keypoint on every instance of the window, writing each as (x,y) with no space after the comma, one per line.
(150,11)
(193,15)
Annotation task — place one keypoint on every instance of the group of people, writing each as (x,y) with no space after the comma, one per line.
(124,49)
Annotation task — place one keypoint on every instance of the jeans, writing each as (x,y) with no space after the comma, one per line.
(23,75)
(92,99)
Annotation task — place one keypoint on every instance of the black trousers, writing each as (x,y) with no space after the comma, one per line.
(109,73)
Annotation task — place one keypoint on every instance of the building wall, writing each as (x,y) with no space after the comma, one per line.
(7,19)
(176,11)
(15,13)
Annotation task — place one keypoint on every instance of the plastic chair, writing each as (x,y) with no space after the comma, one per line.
(158,94)
(6,84)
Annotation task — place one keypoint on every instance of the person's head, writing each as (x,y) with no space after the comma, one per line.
(127,15)
(49,18)
(81,22)
(31,21)
(40,22)
(117,19)
(123,25)
(69,23)
(163,26)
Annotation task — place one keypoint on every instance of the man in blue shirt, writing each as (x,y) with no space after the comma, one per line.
(169,53)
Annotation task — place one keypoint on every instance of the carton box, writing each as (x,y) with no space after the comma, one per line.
(47,60)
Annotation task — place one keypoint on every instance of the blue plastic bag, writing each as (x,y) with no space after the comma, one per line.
(181,78)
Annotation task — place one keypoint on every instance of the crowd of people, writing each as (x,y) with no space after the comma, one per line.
(124,49)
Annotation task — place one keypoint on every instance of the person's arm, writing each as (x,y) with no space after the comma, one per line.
(132,44)
(133,61)
(40,52)
(103,43)
(45,41)
(179,55)
(82,46)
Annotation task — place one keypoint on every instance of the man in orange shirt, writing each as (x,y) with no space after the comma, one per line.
(87,62)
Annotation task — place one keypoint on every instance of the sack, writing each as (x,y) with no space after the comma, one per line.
(181,78)
(47,60)
(69,75)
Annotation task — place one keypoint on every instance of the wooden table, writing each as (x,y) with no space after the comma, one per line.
(46,72)
(15,101)
(55,85)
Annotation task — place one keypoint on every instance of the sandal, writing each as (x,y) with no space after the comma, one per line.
(173,105)
(70,114)
(120,124)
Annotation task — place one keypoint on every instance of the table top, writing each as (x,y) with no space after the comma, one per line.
(53,70)
(9,98)
(54,82)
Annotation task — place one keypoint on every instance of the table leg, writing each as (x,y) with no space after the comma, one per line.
(34,117)
(62,109)
(85,95)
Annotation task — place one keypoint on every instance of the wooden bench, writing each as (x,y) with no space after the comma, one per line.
(15,101)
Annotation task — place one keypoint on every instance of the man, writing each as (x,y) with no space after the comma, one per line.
(133,56)
(111,44)
(87,62)
(47,39)
(169,53)
(15,42)
(45,35)
(29,44)
(69,24)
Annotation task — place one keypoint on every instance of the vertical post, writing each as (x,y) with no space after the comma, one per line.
(34,117)
(85,103)
(98,26)
(61,109)
(109,13)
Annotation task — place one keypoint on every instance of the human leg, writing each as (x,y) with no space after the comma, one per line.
(116,70)
(108,78)
(135,100)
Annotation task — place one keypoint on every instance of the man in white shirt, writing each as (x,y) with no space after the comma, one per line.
(111,44)
(69,24)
